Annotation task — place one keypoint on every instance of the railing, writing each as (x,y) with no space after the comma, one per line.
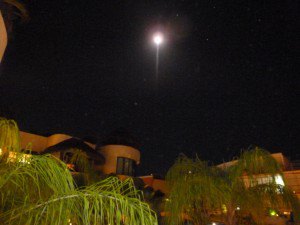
(295,165)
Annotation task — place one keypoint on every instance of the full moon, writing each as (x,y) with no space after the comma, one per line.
(158,38)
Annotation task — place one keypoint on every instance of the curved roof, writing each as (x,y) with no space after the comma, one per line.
(120,137)
(72,143)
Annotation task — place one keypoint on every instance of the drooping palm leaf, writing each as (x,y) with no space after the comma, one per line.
(21,11)
(9,135)
(195,190)
(44,193)
(41,190)
(203,192)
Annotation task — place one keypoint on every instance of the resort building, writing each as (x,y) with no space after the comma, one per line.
(290,171)
(111,157)
(3,36)
(120,156)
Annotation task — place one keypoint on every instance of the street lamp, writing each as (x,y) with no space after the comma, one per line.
(157,39)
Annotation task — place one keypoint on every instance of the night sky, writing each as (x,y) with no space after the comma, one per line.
(227,77)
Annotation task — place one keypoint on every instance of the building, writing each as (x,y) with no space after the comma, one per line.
(118,158)
(121,158)
(290,171)
(3,37)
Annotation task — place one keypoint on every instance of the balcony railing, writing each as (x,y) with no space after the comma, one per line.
(295,165)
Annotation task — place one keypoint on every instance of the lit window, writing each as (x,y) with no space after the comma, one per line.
(267,179)
(12,157)
(18,157)
(279,180)
(25,158)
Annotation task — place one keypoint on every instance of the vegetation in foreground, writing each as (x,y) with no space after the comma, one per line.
(233,195)
(41,190)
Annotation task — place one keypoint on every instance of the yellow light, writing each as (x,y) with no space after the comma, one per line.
(224,209)
(12,156)
(25,158)
(20,157)
(273,212)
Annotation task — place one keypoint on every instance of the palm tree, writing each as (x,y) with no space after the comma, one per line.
(12,9)
(41,190)
(154,198)
(80,158)
(231,194)
(9,10)
(252,187)
(9,136)
(194,191)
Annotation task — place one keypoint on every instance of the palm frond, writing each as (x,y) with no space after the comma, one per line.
(21,9)
(258,161)
(200,191)
(9,136)
(41,190)
(195,190)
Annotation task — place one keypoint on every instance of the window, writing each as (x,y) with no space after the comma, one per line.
(66,157)
(16,156)
(125,166)
(267,179)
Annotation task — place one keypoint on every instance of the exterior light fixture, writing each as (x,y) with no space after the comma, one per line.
(273,212)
